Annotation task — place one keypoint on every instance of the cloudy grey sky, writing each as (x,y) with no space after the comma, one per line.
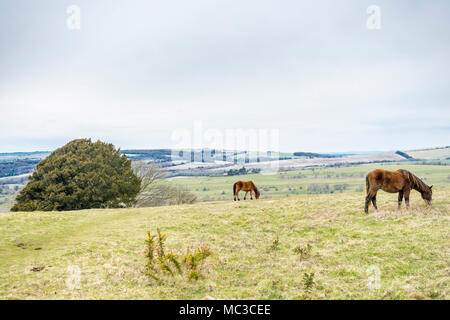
(137,71)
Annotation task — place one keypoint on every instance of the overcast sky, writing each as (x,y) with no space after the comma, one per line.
(138,71)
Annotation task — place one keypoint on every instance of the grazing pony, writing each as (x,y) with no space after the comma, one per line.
(401,181)
(245,186)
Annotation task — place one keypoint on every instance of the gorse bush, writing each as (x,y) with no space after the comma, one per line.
(165,261)
(80,175)
(308,281)
(159,262)
(303,251)
(192,260)
(274,245)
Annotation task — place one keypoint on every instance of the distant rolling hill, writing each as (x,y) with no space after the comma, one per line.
(212,161)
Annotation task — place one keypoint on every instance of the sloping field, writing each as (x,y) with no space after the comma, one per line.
(438,153)
(385,255)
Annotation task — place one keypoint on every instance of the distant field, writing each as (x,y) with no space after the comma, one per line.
(438,153)
(386,255)
(291,183)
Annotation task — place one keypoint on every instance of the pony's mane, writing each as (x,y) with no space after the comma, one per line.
(256,190)
(418,183)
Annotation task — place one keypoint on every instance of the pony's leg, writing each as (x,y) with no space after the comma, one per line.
(400,199)
(370,195)
(406,194)
(245,197)
(374,201)
(366,206)
(251,195)
(237,193)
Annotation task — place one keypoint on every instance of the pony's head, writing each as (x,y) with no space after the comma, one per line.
(257,193)
(427,195)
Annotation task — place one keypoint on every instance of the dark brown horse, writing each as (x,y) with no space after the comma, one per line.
(245,186)
(401,181)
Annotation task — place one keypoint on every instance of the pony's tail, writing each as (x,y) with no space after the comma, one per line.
(234,188)
(367,184)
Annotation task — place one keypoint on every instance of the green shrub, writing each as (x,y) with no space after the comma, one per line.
(303,251)
(308,281)
(80,175)
(160,262)
(274,245)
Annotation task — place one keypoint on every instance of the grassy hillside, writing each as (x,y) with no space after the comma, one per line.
(410,249)
(435,153)
(292,183)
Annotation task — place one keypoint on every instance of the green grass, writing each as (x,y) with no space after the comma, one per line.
(277,185)
(409,248)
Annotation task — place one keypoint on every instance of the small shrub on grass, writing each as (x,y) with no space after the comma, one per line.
(303,251)
(160,262)
(308,281)
(192,260)
(274,245)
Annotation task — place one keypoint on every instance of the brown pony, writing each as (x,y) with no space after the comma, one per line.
(401,181)
(245,186)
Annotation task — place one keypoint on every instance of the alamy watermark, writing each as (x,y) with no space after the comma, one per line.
(374,20)
(374,278)
(73,280)
(73,21)
(236,146)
